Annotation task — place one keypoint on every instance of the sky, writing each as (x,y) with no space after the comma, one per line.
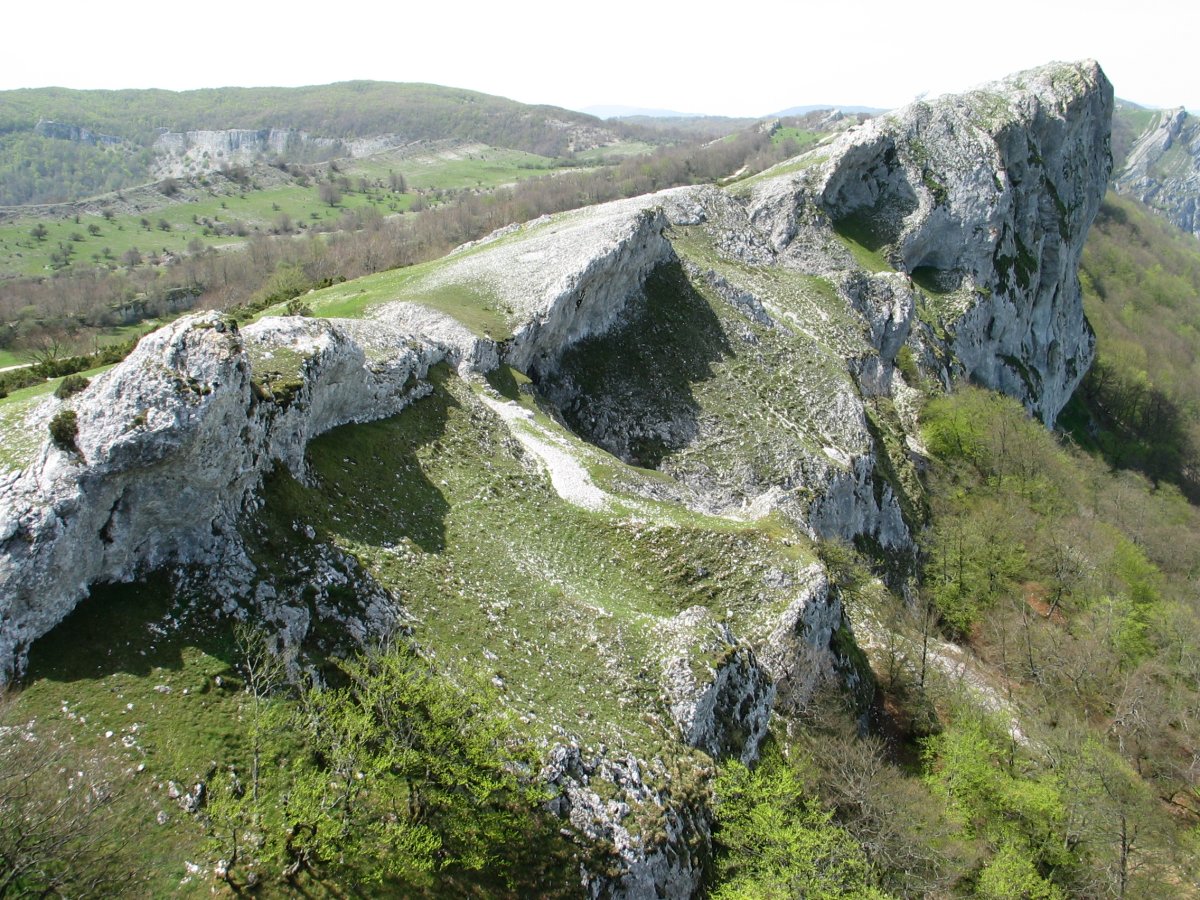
(736,59)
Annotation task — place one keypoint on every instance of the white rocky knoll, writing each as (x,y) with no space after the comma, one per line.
(561,279)
(171,445)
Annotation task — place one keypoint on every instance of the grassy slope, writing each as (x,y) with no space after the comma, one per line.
(128,680)
(440,506)
(502,579)
(21,440)
(258,209)
(687,361)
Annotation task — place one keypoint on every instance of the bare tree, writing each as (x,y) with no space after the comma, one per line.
(59,829)
(329,193)
(264,667)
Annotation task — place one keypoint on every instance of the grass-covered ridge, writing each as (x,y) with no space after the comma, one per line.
(502,576)
(556,608)
(731,399)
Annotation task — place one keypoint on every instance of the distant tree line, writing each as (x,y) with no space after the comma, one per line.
(65,308)
(36,169)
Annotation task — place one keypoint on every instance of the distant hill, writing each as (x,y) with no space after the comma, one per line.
(617,111)
(58,144)
(1156,159)
(802,110)
(344,110)
(1130,122)
(713,126)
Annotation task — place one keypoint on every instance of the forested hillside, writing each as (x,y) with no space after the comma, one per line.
(345,110)
(1141,279)
(55,165)
(1035,727)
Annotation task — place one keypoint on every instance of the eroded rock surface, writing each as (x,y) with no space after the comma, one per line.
(171,445)
(1162,169)
(752,344)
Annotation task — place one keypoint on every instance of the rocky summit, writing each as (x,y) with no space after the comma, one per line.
(603,443)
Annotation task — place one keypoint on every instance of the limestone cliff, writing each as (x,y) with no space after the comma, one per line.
(1162,169)
(189,152)
(688,387)
(984,200)
(171,445)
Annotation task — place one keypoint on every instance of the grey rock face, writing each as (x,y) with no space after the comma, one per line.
(171,445)
(177,152)
(666,860)
(797,651)
(986,198)
(1163,169)
(718,694)
(76,133)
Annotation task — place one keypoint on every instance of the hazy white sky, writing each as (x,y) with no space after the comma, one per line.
(739,58)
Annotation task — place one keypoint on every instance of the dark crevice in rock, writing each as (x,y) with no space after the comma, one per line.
(630,390)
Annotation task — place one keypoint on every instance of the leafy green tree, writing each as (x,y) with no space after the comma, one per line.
(1011,875)
(1000,797)
(773,841)
(392,777)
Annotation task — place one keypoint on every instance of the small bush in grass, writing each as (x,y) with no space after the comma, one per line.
(64,428)
(72,384)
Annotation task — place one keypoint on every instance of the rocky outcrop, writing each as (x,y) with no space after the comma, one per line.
(1162,169)
(718,694)
(183,152)
(560,280)
(985,200)
(797,651)
(745,341)
(663,857)
(171,446)
(590,297)
(76,133)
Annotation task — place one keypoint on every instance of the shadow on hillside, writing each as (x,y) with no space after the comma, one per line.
(132,628)
(369,482)
(630,391)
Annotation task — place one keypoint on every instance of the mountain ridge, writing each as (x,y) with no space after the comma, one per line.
(741,364)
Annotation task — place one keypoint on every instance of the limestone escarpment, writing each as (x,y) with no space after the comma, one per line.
(738,361)
(1162,169)
(171,445)
(984,199)
(76,133)
(186,152)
